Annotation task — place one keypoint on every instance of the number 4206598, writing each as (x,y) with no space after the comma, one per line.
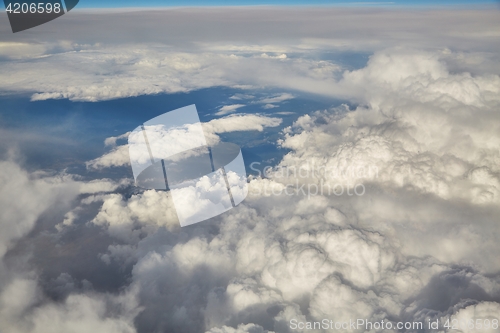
(33,8)
(472,324)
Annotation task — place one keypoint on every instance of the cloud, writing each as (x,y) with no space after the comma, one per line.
(267,56)
(119,156)
(482,313)
(78,313)
(305,28)
(111,141)
(128,220)
(241,96)
(379,256)
(269,102)
(105,72)
(228,109)
(80,69)
(389,254)
(422,138)
(277,98)
(24,306)
(249,328)
(240,122)
(84,313)
(423,127)
(33,195)
(21,50)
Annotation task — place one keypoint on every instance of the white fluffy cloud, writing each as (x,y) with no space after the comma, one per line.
(277,99)
(422,127)
(424,133)
(430,137)
(229,109)
(119,155)
(240,122)
(131,219)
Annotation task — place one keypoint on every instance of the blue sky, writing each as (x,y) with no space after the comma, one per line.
(166,3)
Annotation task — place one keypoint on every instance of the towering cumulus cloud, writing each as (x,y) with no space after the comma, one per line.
(384,209)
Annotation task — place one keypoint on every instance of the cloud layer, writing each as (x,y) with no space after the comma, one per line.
(214,50)
(419,244)
(395,253)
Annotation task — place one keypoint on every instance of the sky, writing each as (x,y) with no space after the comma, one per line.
(375,192)
(159,3)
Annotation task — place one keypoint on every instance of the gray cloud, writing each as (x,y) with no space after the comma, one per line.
(212,49)
(280,27)
(24,306)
